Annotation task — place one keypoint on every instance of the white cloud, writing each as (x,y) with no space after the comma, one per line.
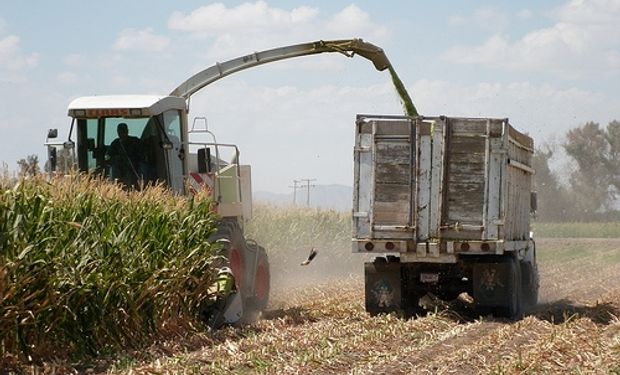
(74,60)
(67,78)
(256,26)
(246,17)
(351,21)
(584,39)
(487,18)
(542,110)
(491,19)
(141,40)
(457,20)
(12,58)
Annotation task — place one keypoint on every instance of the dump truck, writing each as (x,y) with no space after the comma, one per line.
(444,204)
(186,159)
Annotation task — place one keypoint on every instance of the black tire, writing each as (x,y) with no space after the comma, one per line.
(529,284)
(512,309)
(412,309)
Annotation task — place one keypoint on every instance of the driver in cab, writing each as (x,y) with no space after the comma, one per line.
(125,157)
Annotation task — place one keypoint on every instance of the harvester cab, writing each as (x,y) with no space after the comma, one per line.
(141,140)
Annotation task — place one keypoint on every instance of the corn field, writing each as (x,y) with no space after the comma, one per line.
(87,268)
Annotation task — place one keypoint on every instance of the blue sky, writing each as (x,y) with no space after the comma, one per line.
(548,66)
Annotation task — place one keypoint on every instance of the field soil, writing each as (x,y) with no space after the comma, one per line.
(322,328)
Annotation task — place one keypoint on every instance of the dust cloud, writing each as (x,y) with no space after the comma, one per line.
(330,267)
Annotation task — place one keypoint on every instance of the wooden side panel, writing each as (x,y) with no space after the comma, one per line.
(518,186)
(446,178)
(465,174)
(394,176)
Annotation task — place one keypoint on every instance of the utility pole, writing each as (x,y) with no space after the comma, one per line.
(308,186)
(295,187)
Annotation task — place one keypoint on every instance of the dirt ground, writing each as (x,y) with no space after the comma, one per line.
(322,328)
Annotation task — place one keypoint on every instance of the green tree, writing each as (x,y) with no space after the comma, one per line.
(595,183)
(29,166)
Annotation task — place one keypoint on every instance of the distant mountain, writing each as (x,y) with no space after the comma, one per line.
(336,197)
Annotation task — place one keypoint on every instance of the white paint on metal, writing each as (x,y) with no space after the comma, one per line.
(494,190)
(151,105)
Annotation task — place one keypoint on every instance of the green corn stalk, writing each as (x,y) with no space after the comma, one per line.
(90,268)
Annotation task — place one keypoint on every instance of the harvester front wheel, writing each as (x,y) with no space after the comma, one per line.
(261,282)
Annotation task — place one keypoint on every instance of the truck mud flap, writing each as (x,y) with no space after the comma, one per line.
(383,287)
(493,283)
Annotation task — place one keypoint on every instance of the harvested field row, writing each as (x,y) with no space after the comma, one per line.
(324,329)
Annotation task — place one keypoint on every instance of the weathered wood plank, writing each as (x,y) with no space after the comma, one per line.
(393,153)
(393,174)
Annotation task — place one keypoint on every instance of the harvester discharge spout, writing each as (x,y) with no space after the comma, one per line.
(356,46)
(348,47)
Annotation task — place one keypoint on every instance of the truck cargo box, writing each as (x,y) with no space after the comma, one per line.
(433,187)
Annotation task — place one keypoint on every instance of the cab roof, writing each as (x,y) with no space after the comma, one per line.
(123,105)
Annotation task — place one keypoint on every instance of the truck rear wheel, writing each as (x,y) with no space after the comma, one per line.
(512,309)
(529,284)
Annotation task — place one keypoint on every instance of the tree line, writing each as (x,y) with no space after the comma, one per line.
(586,187)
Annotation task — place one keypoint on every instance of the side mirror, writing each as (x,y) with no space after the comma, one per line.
(52,133)
(533,202)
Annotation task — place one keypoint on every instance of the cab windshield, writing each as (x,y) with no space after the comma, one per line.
(132,151)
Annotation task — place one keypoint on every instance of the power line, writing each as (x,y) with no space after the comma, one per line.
(295,187)
(308,186)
